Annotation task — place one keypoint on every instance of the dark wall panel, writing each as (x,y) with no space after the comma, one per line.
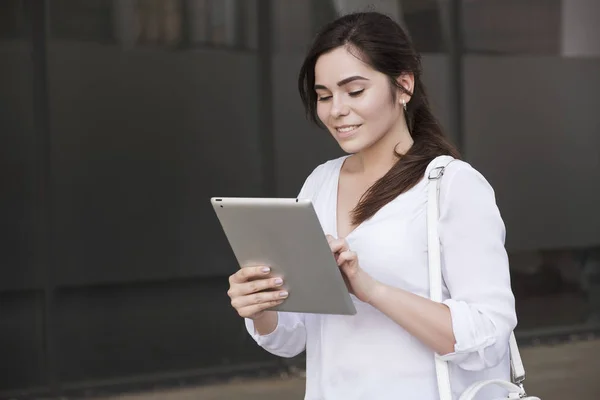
(540,152)
(17,166)
(117,331)
(21,340)
(141,140)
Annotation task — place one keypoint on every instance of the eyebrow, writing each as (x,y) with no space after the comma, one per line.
(345,81)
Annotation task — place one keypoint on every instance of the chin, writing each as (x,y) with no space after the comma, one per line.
(354,144)
(351,146)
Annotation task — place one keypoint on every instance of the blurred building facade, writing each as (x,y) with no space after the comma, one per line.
(119,119)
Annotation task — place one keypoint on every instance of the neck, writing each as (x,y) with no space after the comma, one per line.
(378,159)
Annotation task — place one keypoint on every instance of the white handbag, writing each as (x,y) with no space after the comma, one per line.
(515,387)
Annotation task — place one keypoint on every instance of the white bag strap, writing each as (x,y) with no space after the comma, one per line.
(435,268)
(472,390)
(436,171)
(516,363)
(515,392)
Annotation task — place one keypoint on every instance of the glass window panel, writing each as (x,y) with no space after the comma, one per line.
(89,20)
(222,23)
(557,287)
(512,26)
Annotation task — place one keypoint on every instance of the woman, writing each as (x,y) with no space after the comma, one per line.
(361,80)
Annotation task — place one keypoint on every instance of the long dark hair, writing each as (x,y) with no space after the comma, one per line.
(380,42)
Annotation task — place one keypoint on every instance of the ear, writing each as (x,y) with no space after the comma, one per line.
(407,81)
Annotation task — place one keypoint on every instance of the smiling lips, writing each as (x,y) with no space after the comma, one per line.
(345,131)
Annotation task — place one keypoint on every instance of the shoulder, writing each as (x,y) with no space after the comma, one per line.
(462,186)
(467,204)
(319,175)
(462,176)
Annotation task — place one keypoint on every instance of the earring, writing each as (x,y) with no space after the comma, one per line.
(404,104)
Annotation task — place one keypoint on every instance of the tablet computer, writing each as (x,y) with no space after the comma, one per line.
(286,235)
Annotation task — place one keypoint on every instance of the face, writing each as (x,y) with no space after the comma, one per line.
(354,101)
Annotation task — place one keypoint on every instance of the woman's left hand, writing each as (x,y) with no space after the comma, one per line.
(359,283)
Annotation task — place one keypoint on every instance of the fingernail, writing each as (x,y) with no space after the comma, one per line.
(266,270)
(283,294)
(278,281)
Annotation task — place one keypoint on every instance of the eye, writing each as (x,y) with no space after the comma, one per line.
(324,98)
(356,93)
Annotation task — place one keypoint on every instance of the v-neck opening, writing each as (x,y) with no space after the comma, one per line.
(336,193)
(336,199)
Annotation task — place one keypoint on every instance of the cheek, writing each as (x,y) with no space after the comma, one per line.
(380,117)
(380,110)
(374,107)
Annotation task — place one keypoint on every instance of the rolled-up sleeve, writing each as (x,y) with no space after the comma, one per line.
(287,340)
(475,269)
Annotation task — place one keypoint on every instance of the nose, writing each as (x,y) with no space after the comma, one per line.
(339,108)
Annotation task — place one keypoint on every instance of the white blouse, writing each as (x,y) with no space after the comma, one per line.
(368,355)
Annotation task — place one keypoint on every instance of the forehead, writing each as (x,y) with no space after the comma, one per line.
(338,64)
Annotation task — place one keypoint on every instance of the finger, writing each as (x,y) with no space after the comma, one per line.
(329,238)
(259,285)
(249,311)
(247,273)
(258,298)
(346,257)
(338,245)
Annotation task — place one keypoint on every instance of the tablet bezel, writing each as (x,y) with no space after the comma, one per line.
(286,235)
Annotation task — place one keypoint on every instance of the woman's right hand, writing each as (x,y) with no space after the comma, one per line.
(253,290)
